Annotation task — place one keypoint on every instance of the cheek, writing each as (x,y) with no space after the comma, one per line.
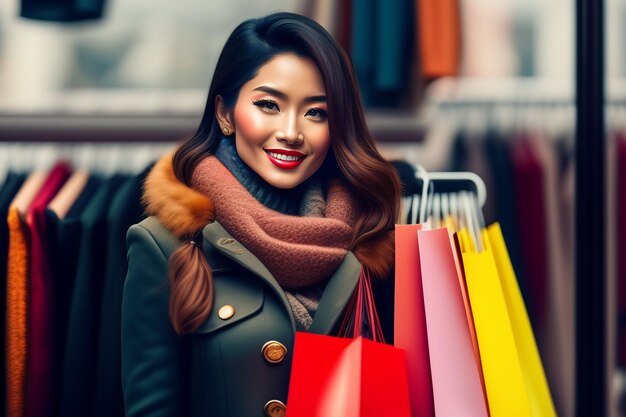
(321,139)
(249,124)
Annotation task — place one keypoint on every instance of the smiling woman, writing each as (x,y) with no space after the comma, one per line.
(269,212)
(279,121)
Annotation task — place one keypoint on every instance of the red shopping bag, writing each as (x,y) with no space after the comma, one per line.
(337,376)
(410,320)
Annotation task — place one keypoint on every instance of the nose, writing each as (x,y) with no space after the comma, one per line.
(290,133)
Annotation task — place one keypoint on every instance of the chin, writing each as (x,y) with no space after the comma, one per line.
(284,183)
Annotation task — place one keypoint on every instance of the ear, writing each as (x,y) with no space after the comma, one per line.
(223,114)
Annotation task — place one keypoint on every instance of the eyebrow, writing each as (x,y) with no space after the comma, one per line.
(283,96)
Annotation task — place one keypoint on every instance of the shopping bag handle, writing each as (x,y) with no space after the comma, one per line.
(361,317)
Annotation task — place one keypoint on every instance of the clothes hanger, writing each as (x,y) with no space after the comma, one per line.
(67,196)
(436,211)
(37,159)
(28,191)
(421,174)
(405,209)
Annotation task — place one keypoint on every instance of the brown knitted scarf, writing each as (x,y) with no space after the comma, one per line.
(298,251)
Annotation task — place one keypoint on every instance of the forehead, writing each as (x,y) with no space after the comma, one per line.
(291,74)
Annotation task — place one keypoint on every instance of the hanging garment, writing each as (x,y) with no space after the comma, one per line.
(381,35)
(363,47)
(504,192)
(41,310)
(125,210)
(393,40)
(62,10)
(81,350)
(558,340)
(11,186)
(345,25)
(478,163)
(17,293)
(17,342)
(439,26)
(530,200)
(64,240)
(621,247)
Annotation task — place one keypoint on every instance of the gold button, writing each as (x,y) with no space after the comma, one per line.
(274,352)
(226,312)
(225,241)
(275,408)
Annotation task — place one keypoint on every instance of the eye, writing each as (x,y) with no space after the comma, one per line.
(317,113)
(266,104)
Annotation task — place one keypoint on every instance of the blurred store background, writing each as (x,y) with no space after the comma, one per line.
(486,86)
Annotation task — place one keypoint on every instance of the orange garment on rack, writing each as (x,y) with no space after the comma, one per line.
(16,331)
(439,34)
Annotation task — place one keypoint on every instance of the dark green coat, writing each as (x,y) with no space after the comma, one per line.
(219,370)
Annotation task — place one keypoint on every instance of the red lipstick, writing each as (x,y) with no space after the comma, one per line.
(286,159)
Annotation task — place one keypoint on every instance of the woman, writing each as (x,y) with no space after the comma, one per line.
(260,225)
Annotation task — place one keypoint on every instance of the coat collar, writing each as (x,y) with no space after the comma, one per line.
(336,294)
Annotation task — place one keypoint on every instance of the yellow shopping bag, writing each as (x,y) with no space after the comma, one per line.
(502,368)
(532,368)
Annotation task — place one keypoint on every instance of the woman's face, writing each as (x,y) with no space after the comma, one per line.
(280,121)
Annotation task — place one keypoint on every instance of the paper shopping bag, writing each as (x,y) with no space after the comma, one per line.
(410,322)
(455,371)
(334,376)
(502,368)
(532,368)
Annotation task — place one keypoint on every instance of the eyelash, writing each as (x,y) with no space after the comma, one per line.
(264,103)
(322,113)
(272,105)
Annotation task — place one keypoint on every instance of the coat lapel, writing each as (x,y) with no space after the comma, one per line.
(336,295)
(215,234)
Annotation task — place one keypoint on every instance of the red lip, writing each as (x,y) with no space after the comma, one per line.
(285,164)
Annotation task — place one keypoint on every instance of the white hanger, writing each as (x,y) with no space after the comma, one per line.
(420,173)
(415,209)
(445,205)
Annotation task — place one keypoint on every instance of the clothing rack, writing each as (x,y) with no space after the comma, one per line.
(142,116)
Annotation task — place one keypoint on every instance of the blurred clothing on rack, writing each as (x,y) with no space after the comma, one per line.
(65,265)
(62,10)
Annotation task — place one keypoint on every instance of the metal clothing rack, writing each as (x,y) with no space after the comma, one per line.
(51,126)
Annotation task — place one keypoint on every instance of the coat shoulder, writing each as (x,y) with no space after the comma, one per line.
(165,239)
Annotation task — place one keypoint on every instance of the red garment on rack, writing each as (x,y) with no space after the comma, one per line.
(39,374)
(345,24)
(530,200)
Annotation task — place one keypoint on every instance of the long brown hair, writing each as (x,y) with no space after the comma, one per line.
(354,155)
